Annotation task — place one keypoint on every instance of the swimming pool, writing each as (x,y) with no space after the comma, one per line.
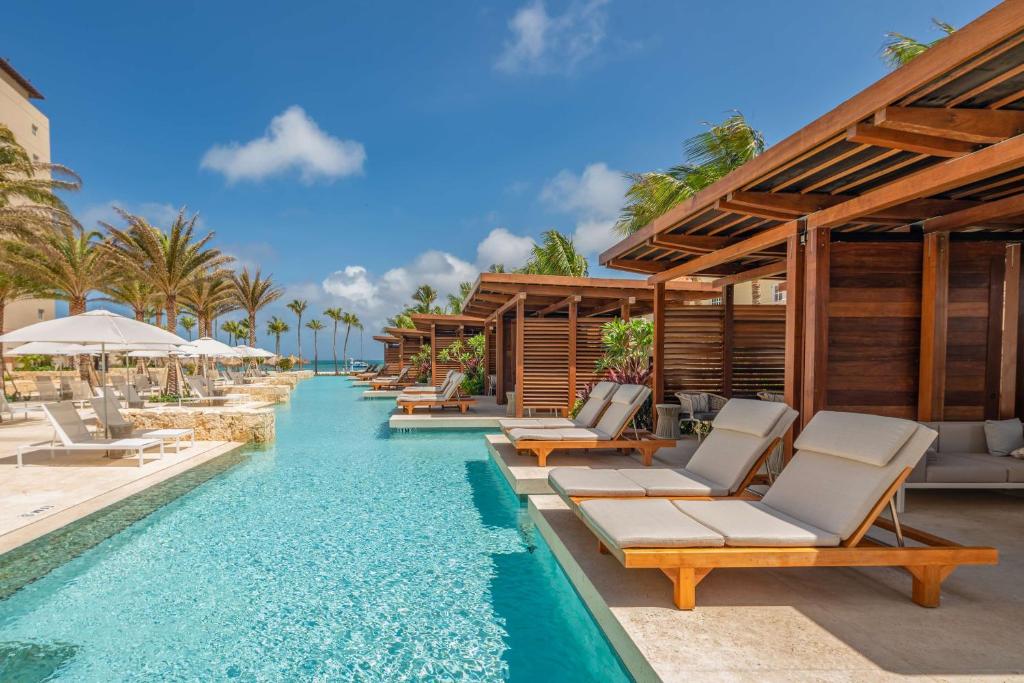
(343,551)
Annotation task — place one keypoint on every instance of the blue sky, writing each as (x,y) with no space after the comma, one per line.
(357,149)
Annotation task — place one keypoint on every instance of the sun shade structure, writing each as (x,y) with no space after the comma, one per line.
(252,352)
(896,220)
(410,341)
(444,331)
(392,352)
(47,349)
(208,346)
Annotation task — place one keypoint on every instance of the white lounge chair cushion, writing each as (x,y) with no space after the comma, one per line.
(537,423)
(725,457)
(757,418)
(870,439)
(164,433)
(752,523)
(646,523)
(664,482)
(564,434)
(595,404)
(115,444)
(583,481)
(623,405)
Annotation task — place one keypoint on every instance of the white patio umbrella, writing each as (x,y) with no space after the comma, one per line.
(208,346)
(47,349)
(100,327)
(252,352)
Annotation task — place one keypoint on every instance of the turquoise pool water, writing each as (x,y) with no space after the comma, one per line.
(344,552)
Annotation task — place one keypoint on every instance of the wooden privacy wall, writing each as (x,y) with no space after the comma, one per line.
(410,347)
(545,363)
(695,349)
(974,330)
(391,358)
(589,350)
(443,338)
(874,328)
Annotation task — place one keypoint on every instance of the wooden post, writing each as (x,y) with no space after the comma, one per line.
(728,310)
(993,361)
(1011,323)
(572,356)
(499,360)
(931,392)
(816,284)
(401,352)
(658,352)
(624,310)
(520,341)
(433,354)
(794,333)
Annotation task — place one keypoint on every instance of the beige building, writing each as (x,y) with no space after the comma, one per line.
(31,129)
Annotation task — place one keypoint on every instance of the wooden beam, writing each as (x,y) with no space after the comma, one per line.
(499,362)
(748,210)
(728,318)
(433,354)
(520,341)
(931,393)
(500,311)
(980,215)
(764,271)
(1011,323)
(571,399)
(637,265)
(658,349)
(984,163)
(815,342)
(994,341)
(693,244)
(608,308)
(762,240)
(980,126)
(558,305)
(625,306)
(793,364)
(797,205)
(868,134)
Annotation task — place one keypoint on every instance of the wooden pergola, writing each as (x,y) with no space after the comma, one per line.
(545,331)
(410,340)
(392,355)
(896,219)
(443,331)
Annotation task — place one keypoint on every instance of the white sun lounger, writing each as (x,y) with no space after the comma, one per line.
(74,435)
(745,433)
(13,409)
(111,414)
(590,412)
(430,389)
(449,398)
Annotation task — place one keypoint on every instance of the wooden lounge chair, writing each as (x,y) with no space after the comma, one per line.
(745,433)
(397,382)
(74,435)
(610,432)
(448,399)
(591,411)
(429,389)
(370,374)
(111,414)
(816,514)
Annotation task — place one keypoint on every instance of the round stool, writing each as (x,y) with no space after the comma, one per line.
(668,421)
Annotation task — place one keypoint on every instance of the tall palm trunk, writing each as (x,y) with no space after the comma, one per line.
(334,347)
(344,347)
(298,334)
(76,306)
(3,363)
(277,344)
(173,381)
(253,362)
(316,355)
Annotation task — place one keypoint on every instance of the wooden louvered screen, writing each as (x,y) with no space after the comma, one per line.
(588,351)
(694,349)
(490,358)
(545,363)
(390,358)
(443,338)
(410,347)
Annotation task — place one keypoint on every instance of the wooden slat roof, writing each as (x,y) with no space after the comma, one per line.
(961,97)
(386,339)
(445,320)
(406,332)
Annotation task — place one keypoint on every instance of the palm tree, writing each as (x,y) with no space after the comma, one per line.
(556,255)
(136,294)
(402,320)
(65,262)
(298,307)
(457,301)
(424,296)
(168,261)
(900,49)
(208,296)
(27,199)
(12,288)
(710,155)
(230,327)
(316,326)
(188,323)
(336,315)
(277,327)
(253,293)
(351,320)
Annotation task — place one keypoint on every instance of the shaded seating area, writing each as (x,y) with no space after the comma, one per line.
(443,331)
(447,398)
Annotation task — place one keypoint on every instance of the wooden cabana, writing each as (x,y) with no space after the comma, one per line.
(444,330)
(896,220)
(410,340)
(546,330)
(392,356)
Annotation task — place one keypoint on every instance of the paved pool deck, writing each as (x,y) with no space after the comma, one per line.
(814,624)
(48,493)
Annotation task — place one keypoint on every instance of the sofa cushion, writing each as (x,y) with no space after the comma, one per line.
(662,482)
(1014,468)
(962,437)
(966,468)
(645,523)
(583,481)
(752,523)
(745,415)
(870,439)
(1003,436)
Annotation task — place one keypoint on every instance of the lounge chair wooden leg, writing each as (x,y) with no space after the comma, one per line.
(927,590)
(684,587)
(602,548)
(542,457)
(648,457)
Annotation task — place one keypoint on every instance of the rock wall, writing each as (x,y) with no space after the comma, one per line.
(211,424)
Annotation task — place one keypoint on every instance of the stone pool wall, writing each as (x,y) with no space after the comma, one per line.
(230,423)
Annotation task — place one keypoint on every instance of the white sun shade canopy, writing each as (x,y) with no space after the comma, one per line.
(252,352)
(94,327)
(47,349)
(208,346)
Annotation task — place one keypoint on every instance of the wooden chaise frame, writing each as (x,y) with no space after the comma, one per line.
(741,490)
(928,565)
(386,384)
(456,401)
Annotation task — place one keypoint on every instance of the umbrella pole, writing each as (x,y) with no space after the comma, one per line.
(103,382)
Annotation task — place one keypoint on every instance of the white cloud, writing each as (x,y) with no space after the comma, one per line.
(501,246)
(545,43)
(594,197)
(292,141)
(160,214)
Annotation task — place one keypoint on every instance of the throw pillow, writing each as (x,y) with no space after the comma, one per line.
(1004,436)
(1019,453)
